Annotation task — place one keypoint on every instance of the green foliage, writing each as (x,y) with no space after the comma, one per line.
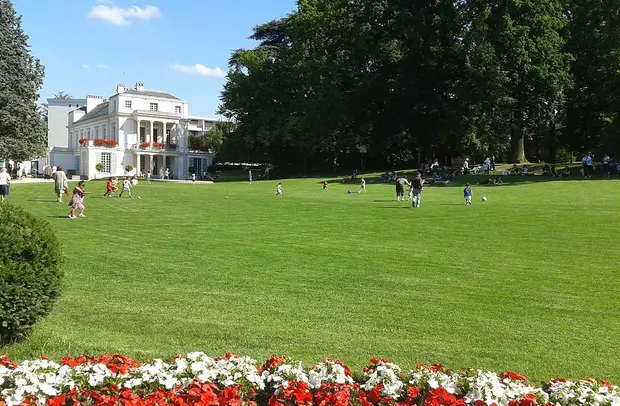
(99,167)
(23,132)
(128,168)
(30,271)
(342,84)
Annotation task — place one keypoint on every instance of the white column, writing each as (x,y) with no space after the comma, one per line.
(151,164)
(151,134)
(138,165)
(138,130)
(164,163)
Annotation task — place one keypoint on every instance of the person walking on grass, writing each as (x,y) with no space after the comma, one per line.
(148,178)
(606,166)
(250,176)
(279,190)
(76,204)
(362,186)
(60,183)
(5,183)
(126,188)
(193,178)
(467,194)
(416,190)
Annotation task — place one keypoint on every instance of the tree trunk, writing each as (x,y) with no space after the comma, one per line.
(517,142)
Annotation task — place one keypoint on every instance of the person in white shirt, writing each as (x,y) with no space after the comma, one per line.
(362,186)
(466,166)
(587,165)
(126,188)
(487,166)
(5,182)
(193,178)
(606,166)
(279,190)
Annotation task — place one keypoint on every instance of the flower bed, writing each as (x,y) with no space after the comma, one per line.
(240,381)
(145,145)
(158,145)
(83,141)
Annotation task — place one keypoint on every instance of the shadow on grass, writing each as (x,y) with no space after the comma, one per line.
(58,217)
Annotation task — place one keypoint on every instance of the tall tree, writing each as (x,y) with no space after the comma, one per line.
(22,131)
(594,102)
(519,45)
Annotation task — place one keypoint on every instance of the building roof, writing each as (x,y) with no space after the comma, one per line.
(99,111)
(151,93)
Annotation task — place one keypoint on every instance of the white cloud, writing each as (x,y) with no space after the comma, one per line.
(200,70)
(115,15)
(86,66)
(102,66)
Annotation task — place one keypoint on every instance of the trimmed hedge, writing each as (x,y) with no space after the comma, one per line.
(30,271)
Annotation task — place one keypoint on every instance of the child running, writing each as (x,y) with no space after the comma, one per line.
(126,188)
(362,186)
(467,194)
(279,190)
(109,188)
(416,191)
(193,178)
(325,185)
(148,178)
(77,201)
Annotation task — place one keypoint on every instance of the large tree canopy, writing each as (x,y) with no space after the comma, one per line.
(23,134)
(383,83)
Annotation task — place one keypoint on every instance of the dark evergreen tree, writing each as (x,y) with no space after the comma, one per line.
(23,133)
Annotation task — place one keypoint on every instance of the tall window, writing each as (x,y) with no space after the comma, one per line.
(88,133)
(113,133)
(142,134)
(177,109)
(96,132)
(197,164)
(103,132)
(154,107)
(128,104)
(167,136)
(113,106)
(106,160)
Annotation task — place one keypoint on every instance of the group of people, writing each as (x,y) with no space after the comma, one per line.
(111,186)
(415,189)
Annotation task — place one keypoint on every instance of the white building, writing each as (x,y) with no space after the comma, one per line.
(57,135)
(146,129)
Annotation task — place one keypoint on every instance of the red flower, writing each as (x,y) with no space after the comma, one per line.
(529,400)
(441,397)
(514,376)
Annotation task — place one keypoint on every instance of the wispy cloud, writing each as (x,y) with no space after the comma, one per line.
(115,15)
(98,66)
(200,70)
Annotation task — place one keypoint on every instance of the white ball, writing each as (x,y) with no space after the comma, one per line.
(139,197)
(484,198)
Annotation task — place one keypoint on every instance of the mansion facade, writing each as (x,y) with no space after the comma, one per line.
(136,130)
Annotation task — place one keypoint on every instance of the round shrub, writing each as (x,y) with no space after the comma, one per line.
(30,271)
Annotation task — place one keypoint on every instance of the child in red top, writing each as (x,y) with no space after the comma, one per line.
(109,188)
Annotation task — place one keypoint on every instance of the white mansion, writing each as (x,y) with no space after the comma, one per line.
(146,129)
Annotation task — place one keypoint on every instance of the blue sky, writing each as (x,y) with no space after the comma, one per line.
(88,46)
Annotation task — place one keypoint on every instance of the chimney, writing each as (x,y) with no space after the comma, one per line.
(139,86)
(120,88)
(92,102)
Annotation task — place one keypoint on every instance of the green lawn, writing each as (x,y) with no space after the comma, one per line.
(527,281)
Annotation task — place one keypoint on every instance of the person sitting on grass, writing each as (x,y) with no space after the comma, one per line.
(526,170)
(498,181)
(566,172)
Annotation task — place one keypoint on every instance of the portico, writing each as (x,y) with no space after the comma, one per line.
(161,131)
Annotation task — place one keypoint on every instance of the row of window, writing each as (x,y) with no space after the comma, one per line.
(93,133)
(152,106)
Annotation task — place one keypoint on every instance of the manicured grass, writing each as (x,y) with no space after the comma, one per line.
(527,281)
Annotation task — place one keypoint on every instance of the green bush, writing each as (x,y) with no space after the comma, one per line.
(30,271)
